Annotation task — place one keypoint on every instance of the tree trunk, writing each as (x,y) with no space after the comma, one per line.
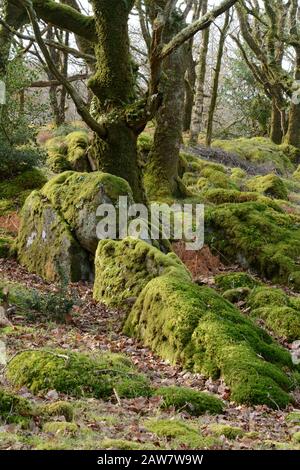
(276,133)
(161,174)
(15,18)
(214,94)
(113,89)
(190,80)
(197,113)
(293,132)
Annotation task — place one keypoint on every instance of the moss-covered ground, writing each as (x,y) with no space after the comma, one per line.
(183,410)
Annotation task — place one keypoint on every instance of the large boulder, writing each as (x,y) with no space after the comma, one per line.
(124,268)
(46,245)
(78,195)
(191,325)
(259,237)
(58,224)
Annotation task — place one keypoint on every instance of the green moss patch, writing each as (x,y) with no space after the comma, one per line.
(231,432)
(185,399)
(5,246)
(77,374)
(15,409)
(269,185)
(123,268)
(60,427)
(68,152)
(280,312)
(77,196)
(257,236)
(228,281)
(59,408)
(179,432)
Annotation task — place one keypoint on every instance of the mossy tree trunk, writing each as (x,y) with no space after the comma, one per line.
(215,87)
(113,89)
(293,132)
(161,173)
(15,18)
(190,81)
(276,132)
(197,113)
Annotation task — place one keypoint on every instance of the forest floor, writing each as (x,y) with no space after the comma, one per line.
(126,423)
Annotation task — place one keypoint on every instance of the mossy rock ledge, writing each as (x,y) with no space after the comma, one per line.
(77,374)
(59,222)
(191,325)
(259,237)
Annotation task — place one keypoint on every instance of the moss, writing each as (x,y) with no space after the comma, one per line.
(60,427)
(216,179)
(77,374)
(231,432)
(124,267)
(60,408)
(293,418)
(193,325)
(15,409)
(8,440)
(13,192)
(57,151)
(77,143)
(179,432)
(237,174)
(46,246)
(296,437)
(145,143)
(5,246)
(257,236)
(77,196)
(194,402)
(269,185)
(261,152)
(296,174)
(29,180)
(279,311)
(223,196)
(237,295)
(225,282)
(68,152)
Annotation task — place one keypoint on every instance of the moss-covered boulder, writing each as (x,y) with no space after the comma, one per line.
(180,434)
(45,244)
(77,374)
(69,152)
(76,196)
(189,400)
(14,409)
(235,280)
(279,311)
(230,432)
(61,427)
(269,185)
(57,409)
(192,325)
(123,269)
(259,237)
